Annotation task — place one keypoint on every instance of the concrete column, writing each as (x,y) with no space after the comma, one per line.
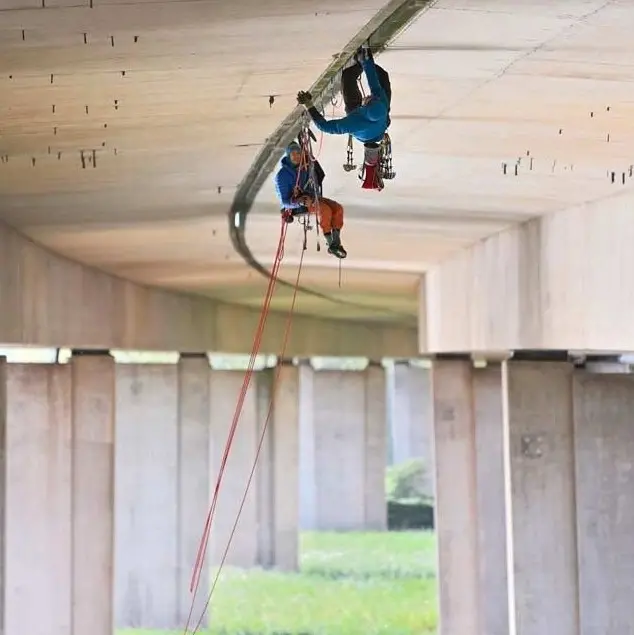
(411,417)
(604,441)
(563,458)
(375,450)
(3,483)
(194,479)
(540,498)
(456,498)
(225,389)
(38,500)
(308,476)
(285,441)
(162,489)
(344,449)
(92,493)
(470,505)
(267,531)
(491,504)
(58,494)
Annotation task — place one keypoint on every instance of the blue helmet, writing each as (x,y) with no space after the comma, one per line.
(293,146)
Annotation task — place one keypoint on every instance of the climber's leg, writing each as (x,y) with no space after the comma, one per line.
(352,97)
(335,247)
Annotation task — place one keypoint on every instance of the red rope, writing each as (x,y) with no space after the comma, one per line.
(202,549)
(287,332)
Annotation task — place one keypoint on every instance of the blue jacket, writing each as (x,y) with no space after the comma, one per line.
(367,123)
(286,180)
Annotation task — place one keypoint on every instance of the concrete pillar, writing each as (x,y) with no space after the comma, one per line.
(566,451)
(308,476)
(38,499)
(92,493)
(456,500)
(344,449)
(491,503)
(58,493)
(470,503)
(162,489)
(604,442)
(3,482)
(285,472)
(411,417)
(194,479)
(540,498)
(267,531)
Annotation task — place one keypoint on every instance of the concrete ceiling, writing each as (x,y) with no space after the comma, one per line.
(168,103)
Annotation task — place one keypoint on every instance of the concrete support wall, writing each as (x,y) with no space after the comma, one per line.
(540,493)
(490,499)
(57,477)
(57,302)
(554,295)
(162,489)
(92,493)
(534,466)
(456,507)
(604,453)
(93,539)
(410,417)
(267,531)
(343,439)
(3,490)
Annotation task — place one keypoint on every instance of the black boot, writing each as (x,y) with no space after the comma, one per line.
(338,248)
(333,244)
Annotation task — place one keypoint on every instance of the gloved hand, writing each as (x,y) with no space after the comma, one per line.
(305,99)
(287,216)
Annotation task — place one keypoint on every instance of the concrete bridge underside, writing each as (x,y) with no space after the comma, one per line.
(137,140)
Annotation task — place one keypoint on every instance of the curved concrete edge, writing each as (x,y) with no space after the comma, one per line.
(47,300)
(559,282)
(383,27)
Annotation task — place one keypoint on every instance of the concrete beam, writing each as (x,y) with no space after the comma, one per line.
(562,282)
(48,300)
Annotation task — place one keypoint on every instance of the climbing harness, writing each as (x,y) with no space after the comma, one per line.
(385,170)
(308,162)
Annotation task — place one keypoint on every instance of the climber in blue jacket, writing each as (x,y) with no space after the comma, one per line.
(298,191)
(367,119)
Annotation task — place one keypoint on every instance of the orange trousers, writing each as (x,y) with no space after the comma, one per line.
(330,214)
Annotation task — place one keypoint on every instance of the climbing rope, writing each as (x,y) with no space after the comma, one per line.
(256,346)
(202,549)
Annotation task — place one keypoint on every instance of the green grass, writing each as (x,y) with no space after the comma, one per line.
(349,584)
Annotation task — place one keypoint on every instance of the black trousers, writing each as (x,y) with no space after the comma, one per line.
(352,97)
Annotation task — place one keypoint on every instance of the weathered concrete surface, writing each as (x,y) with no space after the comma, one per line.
(409,398)
(175,104)
(563,281)
(163,483)
(343,446)
(604,447)
(55,302)
(267,531)
(57,491)
(534,498)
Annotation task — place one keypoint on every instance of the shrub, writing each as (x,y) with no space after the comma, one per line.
(413,515)
(406,482)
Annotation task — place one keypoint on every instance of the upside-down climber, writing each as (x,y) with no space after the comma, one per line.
(367,118)
(298,194)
